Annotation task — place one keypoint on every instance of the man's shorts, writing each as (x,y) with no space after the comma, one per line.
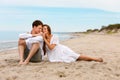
(37,57)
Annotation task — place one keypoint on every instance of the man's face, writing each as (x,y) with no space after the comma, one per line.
(38,29)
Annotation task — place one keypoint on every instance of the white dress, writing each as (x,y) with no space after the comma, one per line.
(60,53)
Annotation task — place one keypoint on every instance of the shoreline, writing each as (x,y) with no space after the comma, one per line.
(11,44)
(105,46)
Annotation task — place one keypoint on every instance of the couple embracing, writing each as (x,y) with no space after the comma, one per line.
(41,41)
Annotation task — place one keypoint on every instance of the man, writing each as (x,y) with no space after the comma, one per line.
(31,41)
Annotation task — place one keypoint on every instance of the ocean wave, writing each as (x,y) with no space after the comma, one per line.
(8,49)
(9,41)
(12,44)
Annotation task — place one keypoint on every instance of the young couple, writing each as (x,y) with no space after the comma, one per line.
(42,38)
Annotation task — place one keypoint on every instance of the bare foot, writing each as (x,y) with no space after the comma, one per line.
(100,60)
(25,62)
(21,62)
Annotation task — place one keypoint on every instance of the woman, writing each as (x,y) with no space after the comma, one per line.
(60,53)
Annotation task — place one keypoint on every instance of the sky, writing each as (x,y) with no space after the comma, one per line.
(61,15)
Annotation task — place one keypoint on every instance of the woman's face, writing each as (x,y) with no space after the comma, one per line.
(45,30)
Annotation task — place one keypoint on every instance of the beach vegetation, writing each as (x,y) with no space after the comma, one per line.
(112,28)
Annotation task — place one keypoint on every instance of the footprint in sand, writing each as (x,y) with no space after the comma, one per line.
(12,78)
(93,66)
(61,74)
(66,67)
(117,74)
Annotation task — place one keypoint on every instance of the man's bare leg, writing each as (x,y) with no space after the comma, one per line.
(87,58)
(21,48)
(33,50)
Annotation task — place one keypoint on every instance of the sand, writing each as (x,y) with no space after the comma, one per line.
(96,45)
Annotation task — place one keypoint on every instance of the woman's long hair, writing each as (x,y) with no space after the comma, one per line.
(44,44)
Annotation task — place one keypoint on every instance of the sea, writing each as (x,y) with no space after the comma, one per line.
(9,39)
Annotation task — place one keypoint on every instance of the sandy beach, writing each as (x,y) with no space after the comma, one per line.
(96,45)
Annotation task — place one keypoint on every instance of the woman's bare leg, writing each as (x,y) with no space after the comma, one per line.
(21,48)
(87,58)
(33,50)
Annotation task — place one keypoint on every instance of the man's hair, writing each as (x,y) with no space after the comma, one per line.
(36,23)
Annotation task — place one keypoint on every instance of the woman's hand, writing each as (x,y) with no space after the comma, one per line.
(44,36)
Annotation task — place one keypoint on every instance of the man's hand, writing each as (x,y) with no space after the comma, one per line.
(34,35)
